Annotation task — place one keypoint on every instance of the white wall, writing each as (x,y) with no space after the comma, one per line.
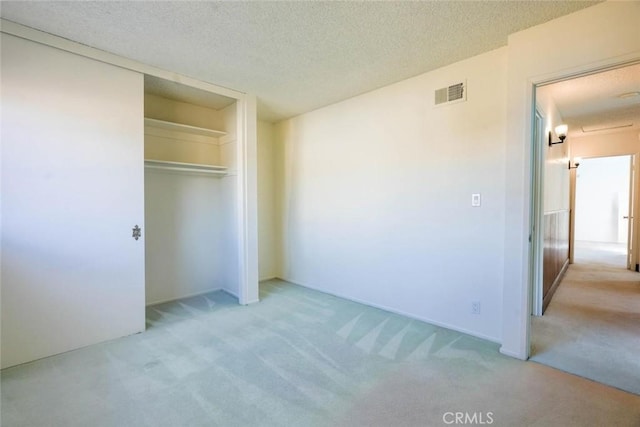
(602,199)
(72,189)
(612,144)
(267,219)
(376,197)
(602,35)
(184,249)
(556,158)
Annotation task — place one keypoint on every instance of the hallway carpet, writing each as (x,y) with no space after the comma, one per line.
(299,358)
(592,326)
(611,254)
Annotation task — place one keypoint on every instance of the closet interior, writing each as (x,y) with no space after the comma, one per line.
(190,188)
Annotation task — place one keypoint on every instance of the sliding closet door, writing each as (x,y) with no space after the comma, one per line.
(72,190)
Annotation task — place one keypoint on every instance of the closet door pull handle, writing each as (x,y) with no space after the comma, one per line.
(137,232)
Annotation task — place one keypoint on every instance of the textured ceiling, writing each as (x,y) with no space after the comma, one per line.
(592,104)
(295,56)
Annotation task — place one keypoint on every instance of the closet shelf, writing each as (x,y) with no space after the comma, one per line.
(186,167)
(179,127)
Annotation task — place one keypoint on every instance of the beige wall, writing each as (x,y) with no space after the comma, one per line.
(613,144)
(267,213)
(157,107)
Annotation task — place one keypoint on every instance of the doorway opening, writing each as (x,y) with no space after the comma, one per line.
(590,325)
(602,211)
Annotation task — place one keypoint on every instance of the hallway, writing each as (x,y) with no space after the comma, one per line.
(608,254)
(592,326)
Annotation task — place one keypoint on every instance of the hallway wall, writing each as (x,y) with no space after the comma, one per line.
(555,222)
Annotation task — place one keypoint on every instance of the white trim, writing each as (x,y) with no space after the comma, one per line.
(243,273)
(251,197)
(536,239)
(247,202)
(632,232)
(522,348)
(51,40)
(532,84)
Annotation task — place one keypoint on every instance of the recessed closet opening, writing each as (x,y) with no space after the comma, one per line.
(190,187)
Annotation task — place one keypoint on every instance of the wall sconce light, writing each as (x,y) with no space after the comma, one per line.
(576,162)
(561,131)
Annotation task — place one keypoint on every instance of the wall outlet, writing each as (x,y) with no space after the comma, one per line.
(475,307)
(475,200)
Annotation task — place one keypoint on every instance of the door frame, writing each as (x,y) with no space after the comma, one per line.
(531,197)
(632,225)
(537,212)
(634,197)
(516,314)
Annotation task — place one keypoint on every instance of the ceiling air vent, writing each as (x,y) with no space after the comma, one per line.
(451,94)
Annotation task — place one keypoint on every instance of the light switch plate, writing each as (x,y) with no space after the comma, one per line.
(475,200)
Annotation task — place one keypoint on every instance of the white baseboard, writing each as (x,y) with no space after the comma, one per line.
(402,313)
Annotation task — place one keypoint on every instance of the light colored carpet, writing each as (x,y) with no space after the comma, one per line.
(592,326)
(298,358)
(600,253)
